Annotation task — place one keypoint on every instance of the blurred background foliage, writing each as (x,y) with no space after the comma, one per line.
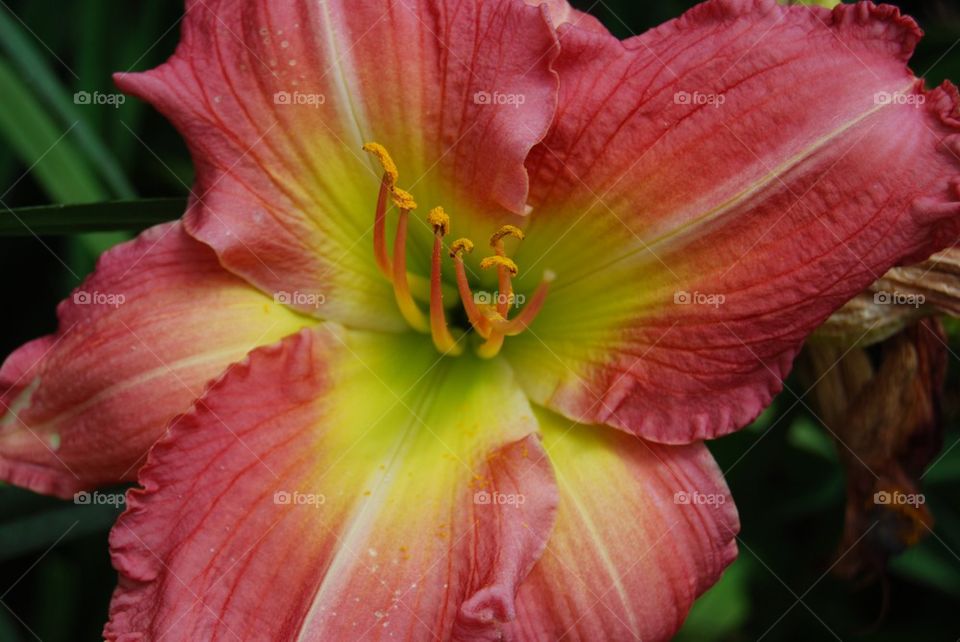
(783,470)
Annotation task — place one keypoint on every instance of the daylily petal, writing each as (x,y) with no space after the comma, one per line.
(642,530)
(562,13)
(718,187)
(424,498)
(276,99)
(136,344)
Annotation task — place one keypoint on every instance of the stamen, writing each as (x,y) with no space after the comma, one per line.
(505,268)
(491,347)
(506,230)
(504,287)
(387,184)
(439,221)
(403,199)
(491,322)
(442,338)
(500,262)
(522,321)
(477,320)
(461,246)
(401,286)
(381,154)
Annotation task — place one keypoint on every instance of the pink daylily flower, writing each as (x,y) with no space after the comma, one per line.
(407,439)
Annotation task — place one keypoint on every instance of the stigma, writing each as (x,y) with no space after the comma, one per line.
(491,321)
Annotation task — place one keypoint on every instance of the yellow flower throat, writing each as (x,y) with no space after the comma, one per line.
(490,321)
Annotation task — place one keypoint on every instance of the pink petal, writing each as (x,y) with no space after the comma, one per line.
(562,12)
(276,99)
(718,187)
(395,541)
(135,345)
(642,530)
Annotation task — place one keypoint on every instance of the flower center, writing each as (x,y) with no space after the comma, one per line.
(490,320)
